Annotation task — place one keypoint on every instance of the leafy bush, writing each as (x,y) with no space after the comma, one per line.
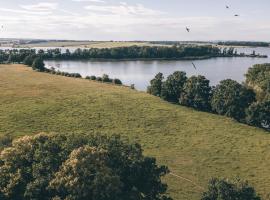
(258,77)
(75,75)
(93,78)
(38,64)
(196,93)
(231,99)
(132,86)
(156,85)
(221,189)
(99,79)
(64,166)
(117,81)
(106,79)
(258,114)
(28,60)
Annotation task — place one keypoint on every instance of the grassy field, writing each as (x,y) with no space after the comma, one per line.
(90,44)
(194,145)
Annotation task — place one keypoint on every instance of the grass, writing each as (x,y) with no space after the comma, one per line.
(89,44)
(193,144)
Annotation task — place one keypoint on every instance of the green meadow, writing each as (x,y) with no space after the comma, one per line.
(194,145)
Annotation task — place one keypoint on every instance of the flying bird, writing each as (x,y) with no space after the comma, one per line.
(194,66)
(227,7)
(188,30)
(236,15)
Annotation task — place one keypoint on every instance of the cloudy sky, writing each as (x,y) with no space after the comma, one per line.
(136,19)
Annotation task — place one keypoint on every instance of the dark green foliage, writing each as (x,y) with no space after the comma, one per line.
(117,81)
(132,52)
(221,189)
(29,60)
(64,166)
(93,78)
(88,77)
(132,86)
(258,114)
(245,43)
(258,77)
(99,79)
(75,75)
(156,85)
(196,93)
(106,79)
(38,64)
(173,86)
(231,99)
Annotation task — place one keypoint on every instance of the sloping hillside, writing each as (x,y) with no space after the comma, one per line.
(195,145)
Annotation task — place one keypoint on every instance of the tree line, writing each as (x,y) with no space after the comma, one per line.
(228,98)
(244,43)
(31,59)
(133,52)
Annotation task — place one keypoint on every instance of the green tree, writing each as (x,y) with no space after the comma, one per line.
(258,77)
(85,175)
(221,189)
(173,86)
(69,166)
(196,93)
(155,85)
(28,60)
(38,64)
(231,99)
(258,114)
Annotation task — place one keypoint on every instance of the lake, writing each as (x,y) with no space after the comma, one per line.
(141,72)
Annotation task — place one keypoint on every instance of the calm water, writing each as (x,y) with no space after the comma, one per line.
(141,72)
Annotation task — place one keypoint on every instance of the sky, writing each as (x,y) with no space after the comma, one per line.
(136,19)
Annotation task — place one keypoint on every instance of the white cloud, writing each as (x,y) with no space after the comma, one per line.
(93,1)
(43,6)
(123,9)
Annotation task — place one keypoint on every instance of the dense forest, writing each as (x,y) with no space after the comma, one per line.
(245,43)
(133,52)
(242,102)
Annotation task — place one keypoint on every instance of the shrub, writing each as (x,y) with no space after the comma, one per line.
(231,99)
(258,77)
(258,114)
(69,166)
(117,81)
(105,78)
(38,64)
(93,78)
(132,86)
(156,85)
(28,60)
(221,189)
(99,79)
(75,75)
(196,93)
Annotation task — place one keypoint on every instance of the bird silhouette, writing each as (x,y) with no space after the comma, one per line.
(188,30)
(194,66)
(236,15)
(227,7)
